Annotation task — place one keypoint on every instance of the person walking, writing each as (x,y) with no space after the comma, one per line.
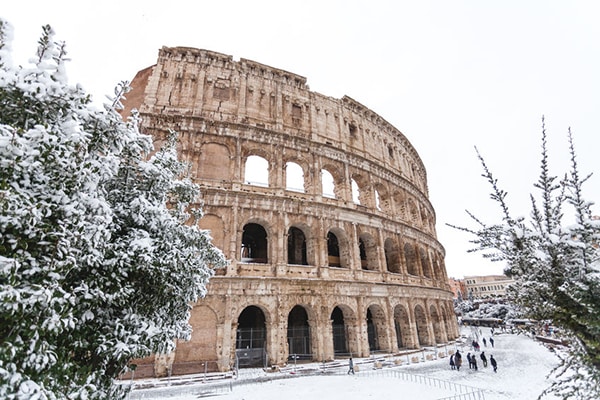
(350,366)
(469,360)
(457,360)
(492,341)
(484,342)
(452,366)
(493,362)
(483,359)
(474,362)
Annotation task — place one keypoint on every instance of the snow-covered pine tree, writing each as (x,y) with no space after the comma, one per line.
(99,259)
(556,266)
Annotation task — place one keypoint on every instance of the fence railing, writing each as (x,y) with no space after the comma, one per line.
(461,392)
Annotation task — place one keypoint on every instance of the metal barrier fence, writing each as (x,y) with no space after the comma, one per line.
(462,392)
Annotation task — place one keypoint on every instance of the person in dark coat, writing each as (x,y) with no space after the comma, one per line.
(492,341)
(484,342)
(483,358)
(457,360)
(350,366)
(452,366)
(493,362)
(474,362)
(469,360)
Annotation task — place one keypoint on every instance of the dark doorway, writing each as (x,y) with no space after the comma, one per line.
(333,250)
(340,341)
(298,334)
(372,332)
(296,247)
(251,338)
(254,244)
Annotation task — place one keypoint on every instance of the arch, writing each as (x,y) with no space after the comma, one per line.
(202,344)
(392,256)
(361,190)
(403,330)
(256,171)
(251,337)
(298,334)
(421,322)
(213,162)
(296,247)
(436,324)
(338,254)
(382,198)
(445,322)
(414,212)
(425,263)
(254,244)
(376,328)
(338,325)
(355,191)
(327,184)
(294,177)
(435,268)
(400,205)
(368,252)
(410,256)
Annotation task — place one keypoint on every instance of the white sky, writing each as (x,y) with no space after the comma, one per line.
(450,75)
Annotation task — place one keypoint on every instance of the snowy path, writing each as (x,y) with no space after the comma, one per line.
(522,368)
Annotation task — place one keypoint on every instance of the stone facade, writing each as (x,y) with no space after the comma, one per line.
(331,235)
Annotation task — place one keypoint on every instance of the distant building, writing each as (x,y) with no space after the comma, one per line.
(479,287)
(458,288)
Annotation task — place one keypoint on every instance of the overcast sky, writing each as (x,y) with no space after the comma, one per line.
(450,75)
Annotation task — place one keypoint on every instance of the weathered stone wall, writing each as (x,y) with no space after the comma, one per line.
(378,262)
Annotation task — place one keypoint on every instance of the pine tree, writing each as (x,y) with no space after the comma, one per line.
(556,267)
(100,255)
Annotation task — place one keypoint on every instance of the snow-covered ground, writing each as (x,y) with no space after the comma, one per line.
(523,365)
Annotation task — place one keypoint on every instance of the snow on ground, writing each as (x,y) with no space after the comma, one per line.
(523,365)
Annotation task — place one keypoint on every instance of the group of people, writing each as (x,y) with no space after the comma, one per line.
(456,361)
(456,358)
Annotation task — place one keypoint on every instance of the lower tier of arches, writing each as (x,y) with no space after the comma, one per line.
(256,322)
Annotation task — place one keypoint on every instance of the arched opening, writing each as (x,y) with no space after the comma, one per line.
(376,328)
(362,249)
(426,265)
(254,244)
(421,322)
(368,252)
(256,171)
(333,250)
(251,337)
(297,247)
(338,325)
(410,256)
(402,325)
(436,324)
(294,177)
(372,332)
(355,192)
(392,256)
(298,334)
(414,211)
(382,198)
(327,184)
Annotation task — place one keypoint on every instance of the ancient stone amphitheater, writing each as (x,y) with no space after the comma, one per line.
(321,206)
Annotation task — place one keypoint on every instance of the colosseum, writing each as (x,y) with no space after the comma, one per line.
(320,205)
